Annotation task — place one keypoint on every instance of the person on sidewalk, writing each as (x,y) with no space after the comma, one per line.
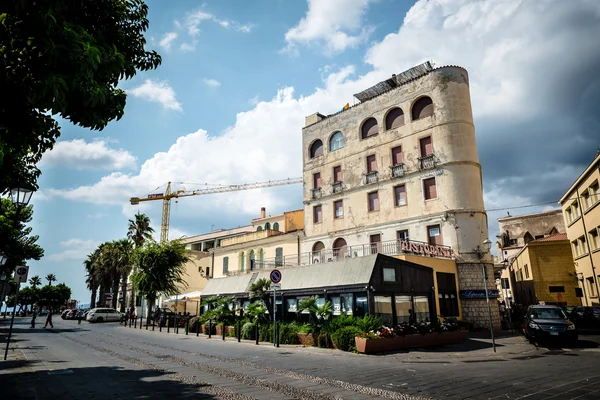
(79,317)
(33,317)
(49,320)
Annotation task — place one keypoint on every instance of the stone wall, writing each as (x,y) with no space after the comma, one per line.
(470,277)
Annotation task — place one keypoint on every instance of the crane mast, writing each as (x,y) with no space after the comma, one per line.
(168,195)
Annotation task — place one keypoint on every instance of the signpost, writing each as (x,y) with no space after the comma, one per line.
(487,298)
(275,278)
(20,276)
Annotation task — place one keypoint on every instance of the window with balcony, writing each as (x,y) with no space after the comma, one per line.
(336,141)
(316,190)
(369,128)
(429,189)
(427,159)
(402,235)
(394,118)
(375,241)
(400,195)
(317,214)
(373,199)
(316,149)
(422,108)
(397,162)
(338,209)
(434,235)
(371,175)
(337,179)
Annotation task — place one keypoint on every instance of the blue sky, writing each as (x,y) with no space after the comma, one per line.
(228,103)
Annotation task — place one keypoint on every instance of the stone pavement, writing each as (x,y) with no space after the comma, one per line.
(156,365)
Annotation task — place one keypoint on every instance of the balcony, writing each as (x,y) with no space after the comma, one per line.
(316,193)
(337,187)
(371,177)
(398,170)
(427,162)
(248,237)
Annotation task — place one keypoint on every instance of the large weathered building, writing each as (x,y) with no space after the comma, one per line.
(581,210)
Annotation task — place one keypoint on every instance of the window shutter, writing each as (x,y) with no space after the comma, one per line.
(337,174)
(429,188)
(400,194)
(317,180)
(426,146)
(371,163)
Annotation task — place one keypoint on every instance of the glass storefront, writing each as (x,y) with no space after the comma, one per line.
(383,308)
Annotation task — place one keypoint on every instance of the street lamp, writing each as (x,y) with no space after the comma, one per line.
(3,259)
(486,246)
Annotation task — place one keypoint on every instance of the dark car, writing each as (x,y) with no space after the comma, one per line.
(585,317)
(549,323)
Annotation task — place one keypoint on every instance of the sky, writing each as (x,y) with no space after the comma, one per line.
(227,106)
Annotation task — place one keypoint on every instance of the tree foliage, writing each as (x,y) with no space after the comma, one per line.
(16,240)
(63,58)
(219,310)
(139,231)
(261,290)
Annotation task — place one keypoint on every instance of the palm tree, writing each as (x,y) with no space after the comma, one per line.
(35,281)
(138,232)
(160,268)
(51,278)
(260,290)
(91,281)
(319,314)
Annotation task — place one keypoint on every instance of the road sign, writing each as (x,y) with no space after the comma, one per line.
(21,273)
(275,276)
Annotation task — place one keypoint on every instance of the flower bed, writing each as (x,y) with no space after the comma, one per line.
(382,344)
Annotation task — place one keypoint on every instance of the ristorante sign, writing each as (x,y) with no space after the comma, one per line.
(426,249)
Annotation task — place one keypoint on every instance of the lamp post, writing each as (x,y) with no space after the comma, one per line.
(3,283)
(486,245)
(20,197)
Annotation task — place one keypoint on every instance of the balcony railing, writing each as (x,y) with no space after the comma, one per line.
(398,170)
(427,162)
(316,193)
(371,177)
(248,237)
(390,248)
(337,187)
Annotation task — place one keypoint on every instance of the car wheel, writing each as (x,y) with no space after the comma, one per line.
(100,319)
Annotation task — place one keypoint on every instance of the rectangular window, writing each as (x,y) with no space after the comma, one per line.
(400,195)
(402,235)
(594,240)
(397,156)
(429,188)
(371,163)
(575,210)
(338,209)
(279,256)
(426,146)
(556,289)
(575,247)
(434,235)
(389,274)
(582,245)
(526,271)
(594,193)
(337,174)
(375,241)
(317,180)
(225,265)
(382,306)
(592,286)
(317,214)
(585,200)
(568,215)
(373,201)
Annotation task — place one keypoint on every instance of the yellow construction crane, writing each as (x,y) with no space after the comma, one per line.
(168,195)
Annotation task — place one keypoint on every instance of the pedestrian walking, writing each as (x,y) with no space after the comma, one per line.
(33,317)
(49,320)
(79,317)
(125,318)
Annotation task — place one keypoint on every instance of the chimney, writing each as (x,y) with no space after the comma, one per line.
(263,212)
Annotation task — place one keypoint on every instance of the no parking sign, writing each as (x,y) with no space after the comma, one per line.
(275,276)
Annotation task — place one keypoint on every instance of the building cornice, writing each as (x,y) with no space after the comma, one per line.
(594,163)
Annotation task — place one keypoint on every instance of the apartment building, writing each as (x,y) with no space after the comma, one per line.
(399,173)
(581,211)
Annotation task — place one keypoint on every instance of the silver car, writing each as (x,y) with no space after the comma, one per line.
(103,315)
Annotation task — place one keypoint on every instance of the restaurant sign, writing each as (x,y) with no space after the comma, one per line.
(479,294)
(408,246)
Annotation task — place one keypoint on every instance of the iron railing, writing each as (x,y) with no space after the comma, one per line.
(371,177)
(398,170)
(427,162)
(316,193)
(337,187)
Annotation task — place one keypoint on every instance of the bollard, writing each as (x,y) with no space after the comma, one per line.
(209,328)
(277,332)
(141,320)
(153,325)
(197,327)
(223,330)
(159,326)
(168,326)
(130,322)
(187,326)
(256,331)
(239,331)
(147,321)
(176,326)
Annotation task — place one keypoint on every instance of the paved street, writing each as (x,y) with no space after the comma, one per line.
(97,361)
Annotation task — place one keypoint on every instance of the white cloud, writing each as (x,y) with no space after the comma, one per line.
(338,24)
(186,46)
(75,249)
(512,64)
(167,40)
(157,92)
(94,155)
(194,19)
(211,82)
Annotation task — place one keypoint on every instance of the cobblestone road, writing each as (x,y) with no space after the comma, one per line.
(97,361)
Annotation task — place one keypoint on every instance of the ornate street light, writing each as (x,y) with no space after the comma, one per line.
(3,258)
(20,196)
(487,245)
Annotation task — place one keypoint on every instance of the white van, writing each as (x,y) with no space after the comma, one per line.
(103,315)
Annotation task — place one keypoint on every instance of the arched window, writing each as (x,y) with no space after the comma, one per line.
(267,226)
(251,260)
(336,141)
(369,128)
(276,226)
(316,149)
(339,248)
(259,229)
(422,108)
(318,252)
(261,257)
(241,261)
(394,119)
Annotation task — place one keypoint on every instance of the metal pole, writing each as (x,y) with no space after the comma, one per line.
(487,298)
(187,326)
(12,320)
(223,330)
(141,320)
(239,332)
(197,327)
(274,316)
(209,328)
(256,331)
(176,313)
(168,325)
(277,333)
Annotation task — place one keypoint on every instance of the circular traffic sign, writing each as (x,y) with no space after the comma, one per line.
(275,276)
(21,271)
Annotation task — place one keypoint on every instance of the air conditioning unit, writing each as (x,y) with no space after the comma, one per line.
(316,261)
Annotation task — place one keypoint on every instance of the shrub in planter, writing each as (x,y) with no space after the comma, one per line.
(340,322)
(369,323)
(288,334)
(344,338)
(265,333)
(205,329)
(248,331)
(323,340)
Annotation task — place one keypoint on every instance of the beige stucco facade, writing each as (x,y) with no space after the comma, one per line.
(581,211)
(454,216)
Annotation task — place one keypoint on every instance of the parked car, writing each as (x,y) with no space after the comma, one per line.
(64,314)
(166,313)
(585,317)
(543,323)
(103,315)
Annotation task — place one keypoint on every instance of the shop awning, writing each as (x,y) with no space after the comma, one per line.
(343,273)
(191,296)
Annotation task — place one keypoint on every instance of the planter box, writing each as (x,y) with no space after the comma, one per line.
(228,330)
(364,345)
(307,339)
